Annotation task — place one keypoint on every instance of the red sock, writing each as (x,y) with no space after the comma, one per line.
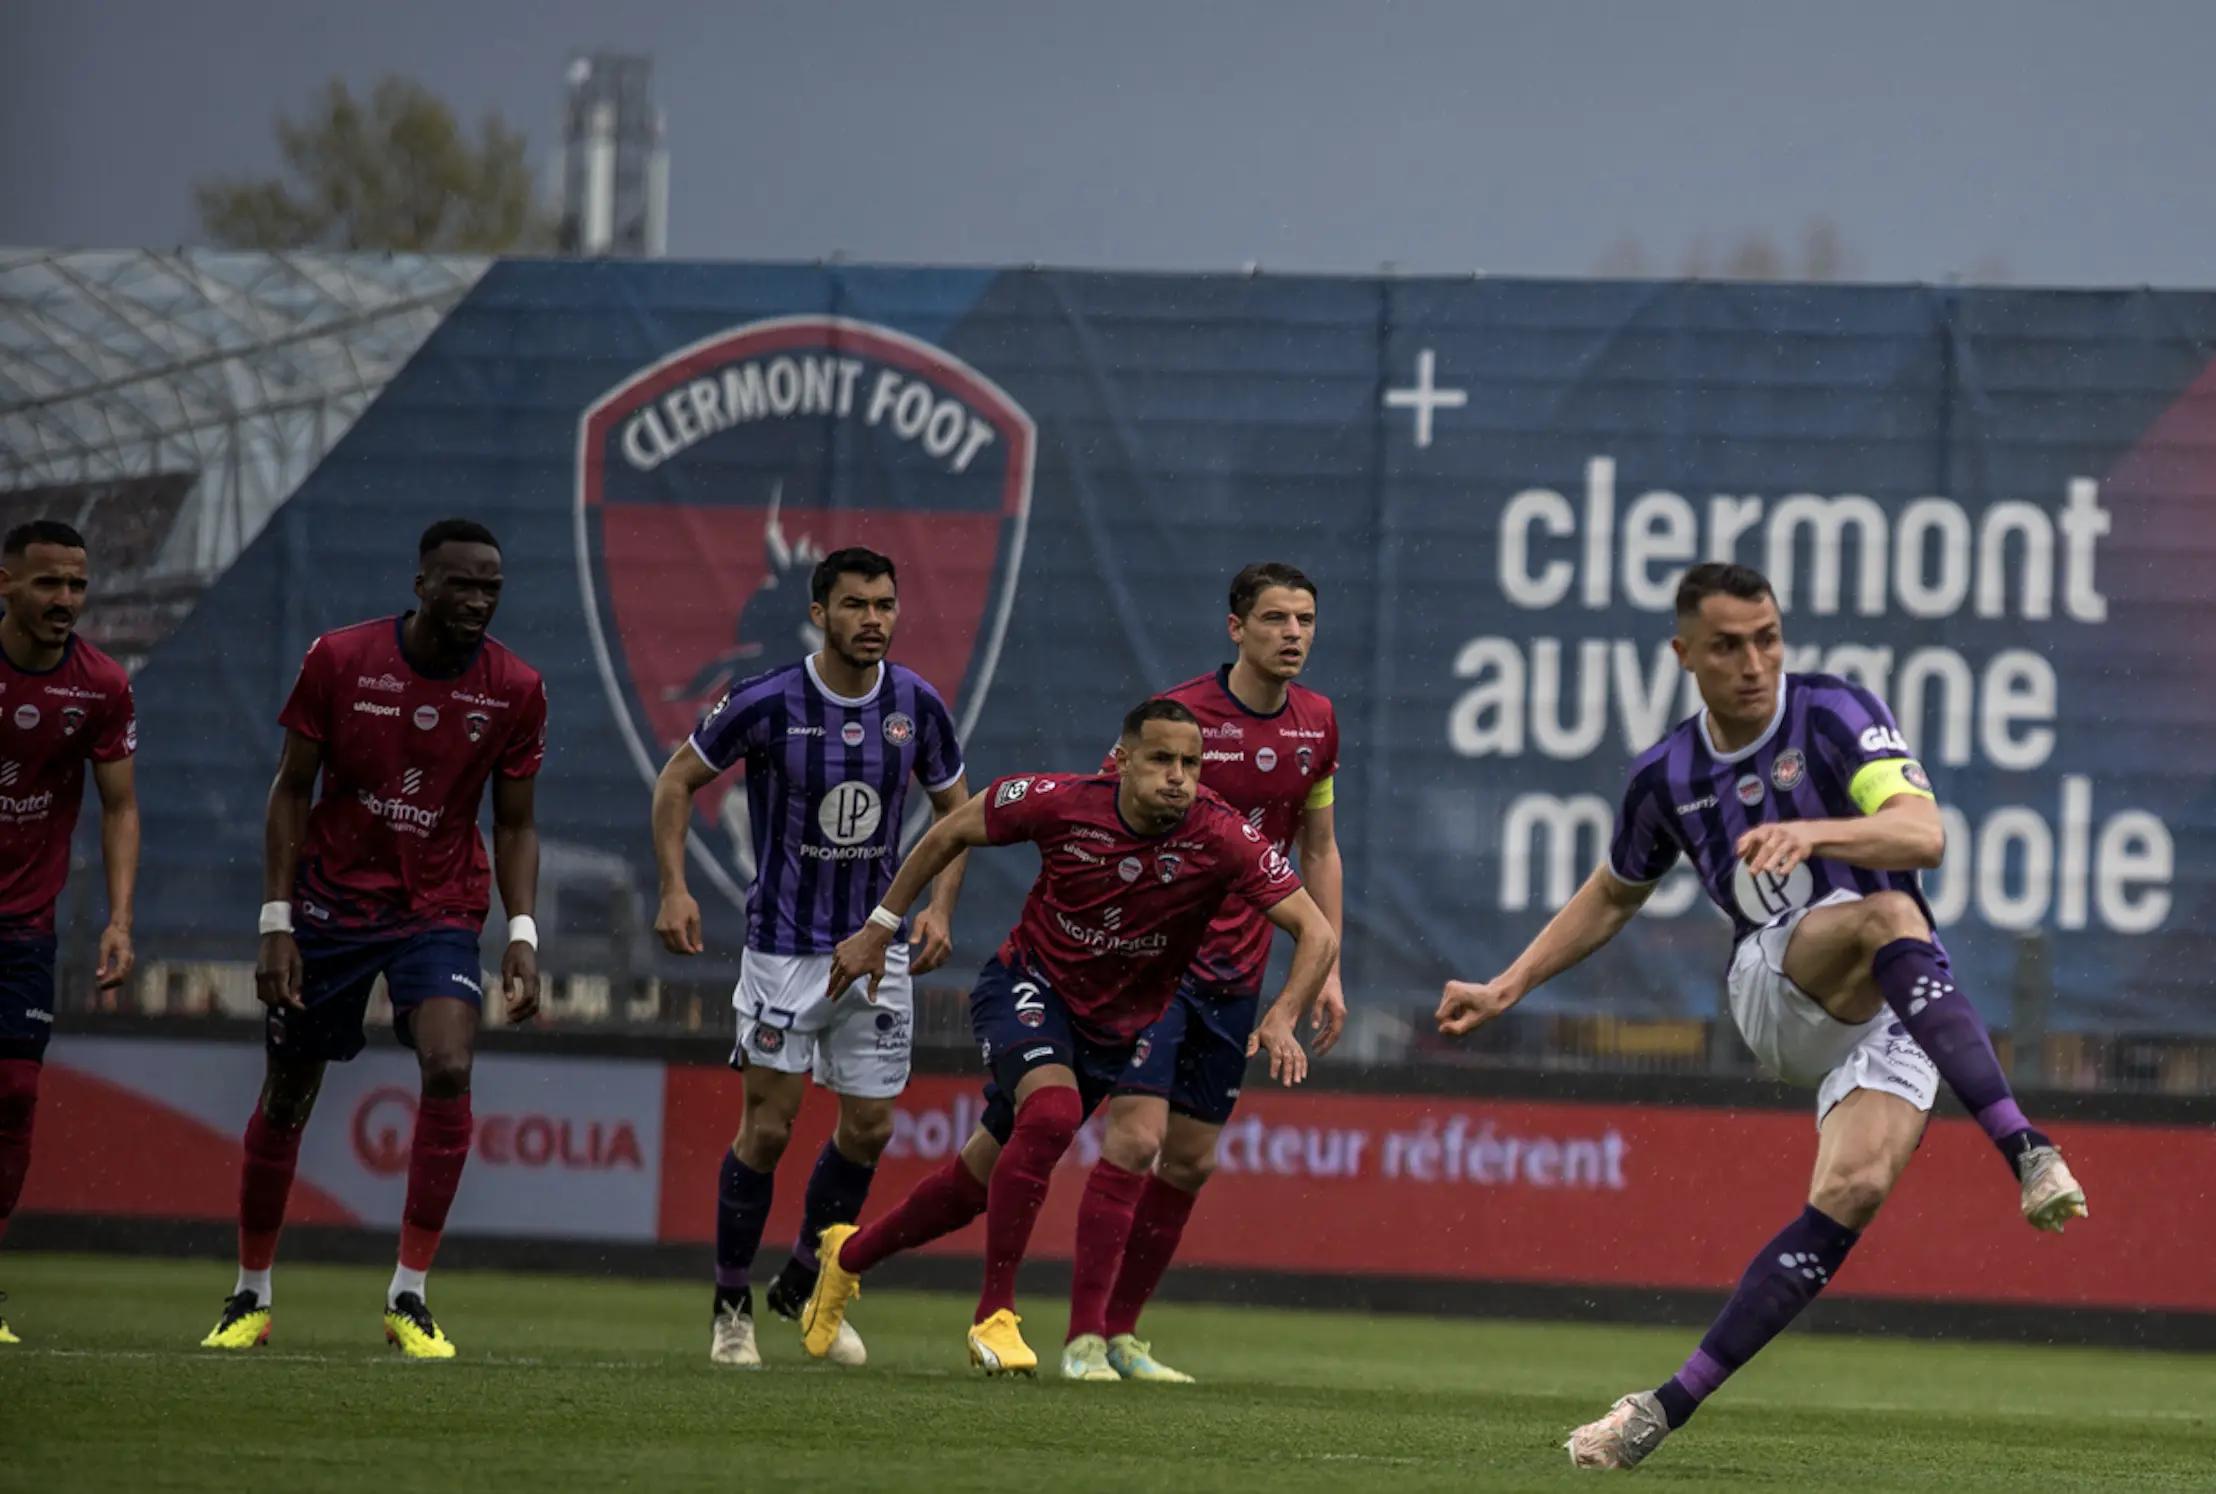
(1103,1229)
(1163,1210)
(265,1181)
(1046,1124)
(435,1161)
(939,1205)
(18,1107)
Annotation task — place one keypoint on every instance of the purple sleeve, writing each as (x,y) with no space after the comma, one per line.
(938,754)
(739,723)
(1644,846)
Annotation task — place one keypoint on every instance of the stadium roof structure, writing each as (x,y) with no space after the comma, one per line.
(227,375)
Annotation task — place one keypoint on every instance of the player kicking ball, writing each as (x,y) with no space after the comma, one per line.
(1132,868)
(405,719)
(831,744)
(1800,807)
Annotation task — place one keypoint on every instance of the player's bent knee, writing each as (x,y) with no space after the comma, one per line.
(1853,1197)
(1054,1111)
(1188,1174)
(865,1131)
(1887,916)
(763,1136)
(445,1075)
(1132,1145)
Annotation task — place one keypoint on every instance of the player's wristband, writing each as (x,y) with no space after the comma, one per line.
(523,929)
(885,918)
(276,918)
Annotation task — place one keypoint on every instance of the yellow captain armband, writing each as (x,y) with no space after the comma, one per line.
(1880,781)
(1321,795)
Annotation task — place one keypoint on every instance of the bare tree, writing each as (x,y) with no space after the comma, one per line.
(394,172)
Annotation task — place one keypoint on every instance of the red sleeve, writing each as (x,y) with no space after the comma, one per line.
(1330,749)
(118,737)
(1014,808)
(1262,874)
(526,749)
(308,709)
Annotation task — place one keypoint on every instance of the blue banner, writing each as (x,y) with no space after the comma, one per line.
(1988,506)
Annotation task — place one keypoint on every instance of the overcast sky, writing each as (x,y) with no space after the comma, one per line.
(2068,141)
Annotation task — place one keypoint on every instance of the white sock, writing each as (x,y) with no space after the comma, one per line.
(405,1280)
(256,1282)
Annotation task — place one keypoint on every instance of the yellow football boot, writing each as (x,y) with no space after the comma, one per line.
(998,1349)
(836,1287)
(410,1329)
(243,1325)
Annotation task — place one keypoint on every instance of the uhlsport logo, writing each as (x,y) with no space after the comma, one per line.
(710,481)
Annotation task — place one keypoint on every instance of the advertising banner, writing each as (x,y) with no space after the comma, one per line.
(566,1148)
(1990,507)
(1487,1190)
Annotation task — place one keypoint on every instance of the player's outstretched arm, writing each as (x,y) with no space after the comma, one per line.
(284,826)
(678,919)
(119,855)
(1315,951)
(1323,873)
(933,930)
(1905,833)
(515,864)
(864,952)
(1592,917)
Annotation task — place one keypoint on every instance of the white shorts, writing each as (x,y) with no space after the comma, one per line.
(1794,1038)
(852,1045)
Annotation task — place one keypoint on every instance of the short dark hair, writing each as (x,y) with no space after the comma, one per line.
(1247,587)
(854,560)
(1721,578)
(40,532)
(1157,709)
(454,531)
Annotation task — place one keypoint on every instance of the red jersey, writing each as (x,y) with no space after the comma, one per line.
(51,722)
(392,844)
(1115,917)
(1273,769)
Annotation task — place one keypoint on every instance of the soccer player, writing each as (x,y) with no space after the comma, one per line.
(1270,747)
(1132,866)
(1807,819)
(62,703)
(830,744)
(384,874)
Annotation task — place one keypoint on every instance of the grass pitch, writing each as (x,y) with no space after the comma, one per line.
(575,1383)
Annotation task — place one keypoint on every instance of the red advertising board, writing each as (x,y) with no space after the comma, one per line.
(1574,1193)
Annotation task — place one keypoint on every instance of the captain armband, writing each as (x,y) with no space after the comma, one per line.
(1877,782)
(1322,795)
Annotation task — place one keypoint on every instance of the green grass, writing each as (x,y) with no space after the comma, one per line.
(571,1383)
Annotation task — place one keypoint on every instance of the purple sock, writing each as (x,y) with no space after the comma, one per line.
(742,1208)
(1778,1283)
(836,1191)
(1921,991)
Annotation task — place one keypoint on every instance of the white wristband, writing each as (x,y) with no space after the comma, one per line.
(276,918)
(523,929)
(885,918)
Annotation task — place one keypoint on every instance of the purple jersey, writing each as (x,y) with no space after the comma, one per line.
(1831,752)
(826,789)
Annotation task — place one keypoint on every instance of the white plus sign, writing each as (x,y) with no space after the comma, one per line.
(1424,397)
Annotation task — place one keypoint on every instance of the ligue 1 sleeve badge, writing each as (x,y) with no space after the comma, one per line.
(714,474)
